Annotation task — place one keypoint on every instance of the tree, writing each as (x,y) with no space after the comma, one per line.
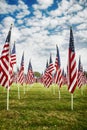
(37,74)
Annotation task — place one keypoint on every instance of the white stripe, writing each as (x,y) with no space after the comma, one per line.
(3,80)
(73,83)
(2,65)
(73,72)
(5,53)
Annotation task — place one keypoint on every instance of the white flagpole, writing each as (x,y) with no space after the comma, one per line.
(71,101)
(8,75)
(18,87)
(8,98)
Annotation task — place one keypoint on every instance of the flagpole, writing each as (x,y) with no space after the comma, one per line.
(8,98)
(71,101)
(18,87)
(8,75)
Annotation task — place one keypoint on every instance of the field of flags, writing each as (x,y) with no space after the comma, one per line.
(53,73)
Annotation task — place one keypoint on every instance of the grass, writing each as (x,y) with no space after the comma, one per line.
(40,109)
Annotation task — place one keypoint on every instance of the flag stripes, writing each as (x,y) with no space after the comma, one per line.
(7,61)
(72,70)
(21,71)
(58,74)
(13,55)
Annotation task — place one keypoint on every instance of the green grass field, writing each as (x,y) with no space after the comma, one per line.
(40,109)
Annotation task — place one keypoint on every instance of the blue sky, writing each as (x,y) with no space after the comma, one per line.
(38,25)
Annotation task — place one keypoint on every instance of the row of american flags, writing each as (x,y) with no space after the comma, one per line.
(52,74)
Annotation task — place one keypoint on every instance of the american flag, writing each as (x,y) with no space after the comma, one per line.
(48,78)
(50,66)
(80,74)
(30,74)
(64,78)
(5,63)
(21,71)
(13,55)
(58,75)
(72,70)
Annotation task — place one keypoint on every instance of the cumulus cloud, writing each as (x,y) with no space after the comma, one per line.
(23,8)
(82,26)
(6,8)
(43,4)
(7,21)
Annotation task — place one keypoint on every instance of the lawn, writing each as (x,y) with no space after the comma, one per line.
(40,108)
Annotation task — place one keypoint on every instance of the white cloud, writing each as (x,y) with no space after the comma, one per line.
(81,34)
(75,19)
(44,4)
(39,34)
(15,34)
(6,8)
(7,21)
(83,14)
(62,8)
(22,14)
(20,21)
(82,26)
(75,8)
(37,14)
(82,52)
(23,10)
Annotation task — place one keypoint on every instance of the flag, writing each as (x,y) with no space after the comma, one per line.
(21,71)
(80,74)
(58,75)
(30,74)
(72,70)
(13,55)
(64,78)
(48,78)
(5,63)
(50,68)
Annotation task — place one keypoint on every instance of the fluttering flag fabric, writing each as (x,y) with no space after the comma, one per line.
(21,71)
(58,74)
(13,55)
(6,69)
(64,78)
(30,74)
(80,74)
(72,70)
(48,77)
